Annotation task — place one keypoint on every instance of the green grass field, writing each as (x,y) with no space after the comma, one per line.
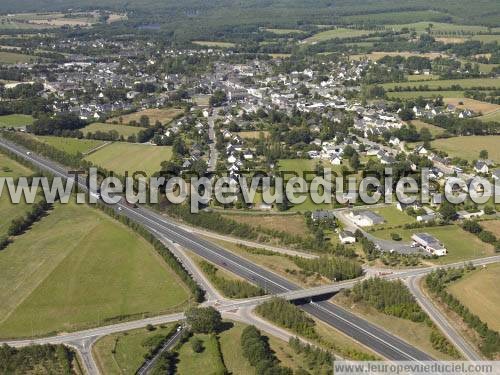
(123,130)
(340,33)
(120,157)
(424,94)
(71,145)
(420,78)
(393,217)
(284,31)
(15,58)
(493,116)
(487,38)
(163,115)
(447,83)
(479,292)
(213,44)
(123,353)
(209,361)
(15,121)
(78,268)
(469,147)
(461,245)
(441,27)
(10,168)
(435,130)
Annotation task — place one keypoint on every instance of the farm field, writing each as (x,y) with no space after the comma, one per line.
(417,334)
(339,33)
(435,130)
(487,38)
(123,353)
(475,105)
(121,157)
(493,226)
(441,27)
(487,68)
(479,292)
(375,56)
(469,147)
(253,134)
(284,31)
(468,83)
(424,94)
(48,20)
(213,44)
(10,168)
(292,224)
(70,145)
(123,130)
(78,268)
(492,116)
(280,55)
(15,121)
(461,245)
(209,361)
(15,58)
(422,77)
(163,115)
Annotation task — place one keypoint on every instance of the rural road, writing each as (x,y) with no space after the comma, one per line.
(440,320)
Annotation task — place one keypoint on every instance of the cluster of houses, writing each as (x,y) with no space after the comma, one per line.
(430,111)
(372,122)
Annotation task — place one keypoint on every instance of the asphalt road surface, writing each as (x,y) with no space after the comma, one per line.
(373,337)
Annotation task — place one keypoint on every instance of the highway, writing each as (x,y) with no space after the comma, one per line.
(373,337)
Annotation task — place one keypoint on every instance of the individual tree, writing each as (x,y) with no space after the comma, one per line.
(448,211)
(426,137)
(483,154)
(204,319)
(197,345)
(144,121)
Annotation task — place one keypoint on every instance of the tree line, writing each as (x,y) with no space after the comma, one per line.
(214,221)
(287,315)
(257,351)
(20,224)
(437,282)
(315,360)
(230,288)
(486,236)
(393,298)
(334,268)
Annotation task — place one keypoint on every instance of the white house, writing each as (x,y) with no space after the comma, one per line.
(346,237)
(429,244)
(366,218)
(481,167)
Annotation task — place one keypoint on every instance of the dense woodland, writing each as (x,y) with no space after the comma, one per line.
(37,359)
(289,316)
